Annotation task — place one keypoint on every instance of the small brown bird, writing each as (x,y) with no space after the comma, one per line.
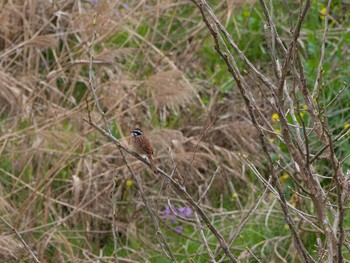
(141,144)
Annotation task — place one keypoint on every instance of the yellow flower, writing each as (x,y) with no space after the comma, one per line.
(286,227)
(323,12)
(128,183)
(275,117)
(271,140)
(294,196)
(315,100)
(278,131)
(293,200)
(304,107)
(284,177)
(234,195)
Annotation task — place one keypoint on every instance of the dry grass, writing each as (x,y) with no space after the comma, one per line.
(11,250)
(169,89)
(56,173)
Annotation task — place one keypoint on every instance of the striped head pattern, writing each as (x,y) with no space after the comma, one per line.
(137,132)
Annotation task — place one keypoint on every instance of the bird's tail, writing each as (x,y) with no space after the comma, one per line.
(153,166)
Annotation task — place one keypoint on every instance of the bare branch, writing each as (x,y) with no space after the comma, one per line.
(30,251)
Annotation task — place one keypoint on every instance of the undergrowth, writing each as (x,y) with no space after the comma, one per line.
(154,67)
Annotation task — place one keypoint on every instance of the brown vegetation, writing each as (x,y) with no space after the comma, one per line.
(61,171)
(72,196)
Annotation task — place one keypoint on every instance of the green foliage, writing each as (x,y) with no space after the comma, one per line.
(79,91)
(7,166)
(154,40)
(115,131)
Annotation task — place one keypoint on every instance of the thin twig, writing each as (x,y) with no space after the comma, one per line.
(164,245)
(205,241)
(232,67)
(201,137)
(249,215)
(209,185)
(114,230)
(177,186)
(323,51)
(21,239)
(337,138)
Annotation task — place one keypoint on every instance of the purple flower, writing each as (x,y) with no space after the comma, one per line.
(126,6)
(166,211)
(188,212)
(179,229)
(181,211)
(170,213)
(16,167)
(185,211)
(94,2)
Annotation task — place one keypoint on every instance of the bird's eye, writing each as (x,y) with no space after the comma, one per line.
(137,133)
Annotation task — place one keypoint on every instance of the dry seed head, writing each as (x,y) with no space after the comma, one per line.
(43,41)
(169,89)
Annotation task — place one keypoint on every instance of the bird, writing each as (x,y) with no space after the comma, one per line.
(141,144)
